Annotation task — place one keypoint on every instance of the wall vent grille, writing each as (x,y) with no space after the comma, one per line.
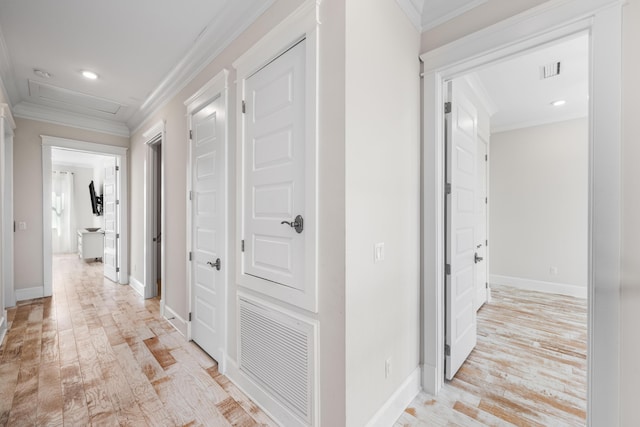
(276,351)
(550,70)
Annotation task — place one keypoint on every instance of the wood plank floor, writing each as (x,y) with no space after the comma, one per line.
(96,353)
(528,369)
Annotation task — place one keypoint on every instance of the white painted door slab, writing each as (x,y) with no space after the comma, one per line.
(481,226)
(207,226)
(110,211)
(461,333)
(274,170)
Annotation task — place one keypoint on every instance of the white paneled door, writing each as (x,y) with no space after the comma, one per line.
(461,256)
(274,170)
(207,226)
(482,289)
(110,210)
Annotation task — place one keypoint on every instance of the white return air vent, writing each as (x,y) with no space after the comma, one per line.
(277,352)
(550,70)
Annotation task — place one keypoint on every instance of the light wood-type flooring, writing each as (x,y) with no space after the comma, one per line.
(528,368)
(96,353)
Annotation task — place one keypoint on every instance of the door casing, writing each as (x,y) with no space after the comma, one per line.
(547,23)
(120,154)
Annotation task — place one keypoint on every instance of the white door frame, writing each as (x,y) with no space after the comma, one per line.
(547,23)
(120,154)
(153,137)
(7,295)
(216,87)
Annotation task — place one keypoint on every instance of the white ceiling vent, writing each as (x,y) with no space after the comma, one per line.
(550,70)
(71,99)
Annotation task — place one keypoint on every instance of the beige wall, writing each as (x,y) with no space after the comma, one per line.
(539,205)
(382,203)
(489,13)
(27,191)
(630,339)
(330,194)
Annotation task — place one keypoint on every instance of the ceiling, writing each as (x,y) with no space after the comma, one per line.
(519,97)
(143,52)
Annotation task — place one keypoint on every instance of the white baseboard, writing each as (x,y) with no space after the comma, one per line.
(274,409)
(540,286)
(393,408)
(136,285)
(29,293)
(178,322)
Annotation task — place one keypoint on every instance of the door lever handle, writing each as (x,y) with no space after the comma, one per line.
(215,264)
(297,223)
(476,258)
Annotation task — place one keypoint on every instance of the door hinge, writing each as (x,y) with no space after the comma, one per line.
(190,134)
(244,107)
(486,157)
(117,235)
(117,269)
(190,256)
(447,188)
(242,245)
(189,316)
(486,285)
(486,200)
(117,168)
(190,195)
(447,269)
(447,107)
(117,202)
(447,350)
(486,242)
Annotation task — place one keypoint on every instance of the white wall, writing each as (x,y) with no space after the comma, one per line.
(382,203)
(27,198)
(539,205)
(630,269)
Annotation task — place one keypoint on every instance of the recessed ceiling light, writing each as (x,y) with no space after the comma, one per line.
(558,103)
(42,73)
(89,75)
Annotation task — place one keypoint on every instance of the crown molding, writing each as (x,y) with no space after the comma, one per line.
(413,12)
(428,24)
(534,123)
(7,82)
(27,110)
(209,45)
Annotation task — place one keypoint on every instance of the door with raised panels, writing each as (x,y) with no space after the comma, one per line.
(460,252)
(274,171)
(207,226)
(110,210)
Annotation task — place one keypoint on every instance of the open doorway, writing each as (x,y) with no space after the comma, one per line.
(514,37)
(84,195)
(154,215)
(530,112)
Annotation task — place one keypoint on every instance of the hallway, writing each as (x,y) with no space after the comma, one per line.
(97,353)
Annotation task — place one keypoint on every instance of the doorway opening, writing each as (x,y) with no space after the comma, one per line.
(515,36)
(154,214)
(77,220)
(531,113)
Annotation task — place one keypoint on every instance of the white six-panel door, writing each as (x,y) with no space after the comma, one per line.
(460,318)
(481,225)
(274,175)
(110,211)
(207,226)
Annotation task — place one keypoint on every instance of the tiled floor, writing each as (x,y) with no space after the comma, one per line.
(96,353)
(528,369)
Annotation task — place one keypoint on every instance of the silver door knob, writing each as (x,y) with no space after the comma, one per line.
(476,258)
(297,223)
(215,264)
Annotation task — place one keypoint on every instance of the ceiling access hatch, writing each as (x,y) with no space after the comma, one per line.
(71,100)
